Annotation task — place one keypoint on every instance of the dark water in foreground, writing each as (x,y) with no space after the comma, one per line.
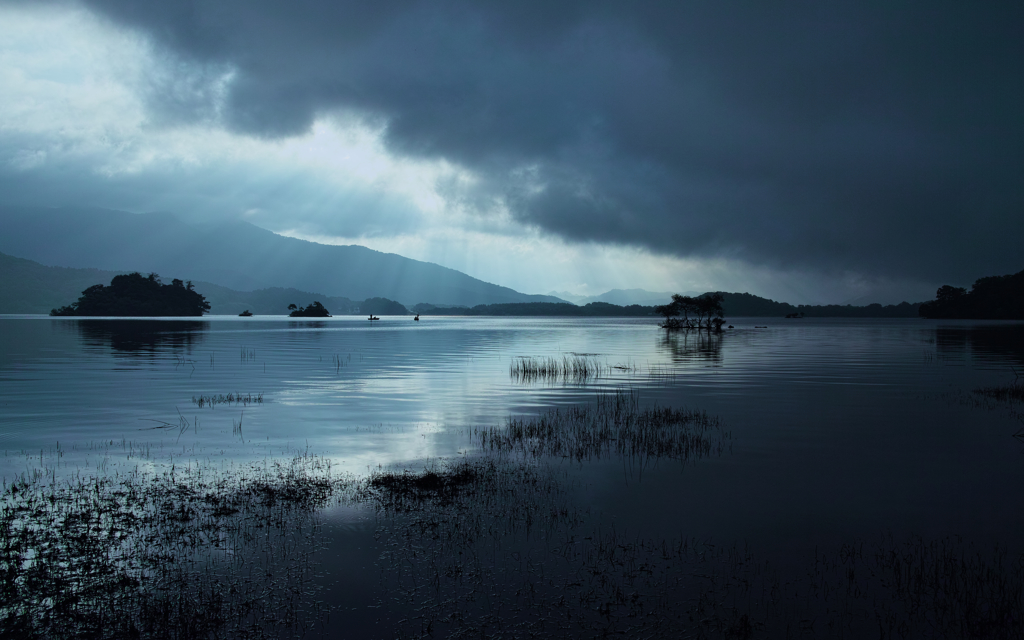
(836,430)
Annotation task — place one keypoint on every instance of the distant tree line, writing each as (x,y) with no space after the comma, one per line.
(994,297)
(733,305)
(136,295)
(749,305)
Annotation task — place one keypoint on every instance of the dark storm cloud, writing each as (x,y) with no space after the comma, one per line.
(884,139)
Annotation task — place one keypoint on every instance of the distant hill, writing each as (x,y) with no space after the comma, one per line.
(237,255)
(270,302)
(565,309)
(382,307)
(29,287)
(623,297)
(568,297)
(748,305)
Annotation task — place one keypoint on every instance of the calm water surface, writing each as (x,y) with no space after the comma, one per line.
(839,429)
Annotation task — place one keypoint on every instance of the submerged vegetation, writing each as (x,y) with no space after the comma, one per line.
(137,295)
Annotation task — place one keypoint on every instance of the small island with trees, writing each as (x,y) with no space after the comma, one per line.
(136,295)
(686,313)
(314,310)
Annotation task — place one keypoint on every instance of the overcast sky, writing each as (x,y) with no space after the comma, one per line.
(811,152)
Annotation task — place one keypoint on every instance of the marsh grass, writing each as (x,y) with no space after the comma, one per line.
(191,552)
(614,425)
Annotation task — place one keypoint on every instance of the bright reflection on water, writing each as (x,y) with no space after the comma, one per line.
(839,428)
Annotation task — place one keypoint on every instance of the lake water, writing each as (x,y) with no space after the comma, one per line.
(834,430)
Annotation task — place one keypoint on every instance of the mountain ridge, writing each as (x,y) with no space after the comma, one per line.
(237,255)
(29,287)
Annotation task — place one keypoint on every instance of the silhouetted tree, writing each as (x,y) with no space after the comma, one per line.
(947,293)
(680,306)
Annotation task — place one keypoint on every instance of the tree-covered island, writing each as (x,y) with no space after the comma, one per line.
(137,295)
(314,310)
(688,313)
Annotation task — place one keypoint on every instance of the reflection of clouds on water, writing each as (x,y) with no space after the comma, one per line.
(692,346)
(142,337)
(996,343)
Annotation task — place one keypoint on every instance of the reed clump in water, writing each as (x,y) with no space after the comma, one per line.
(191,552)
(615,424)
(402,491)
(213,400)
(1006,393)
(572,368)
(458,496)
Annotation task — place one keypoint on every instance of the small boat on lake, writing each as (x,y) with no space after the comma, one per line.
(373,317)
